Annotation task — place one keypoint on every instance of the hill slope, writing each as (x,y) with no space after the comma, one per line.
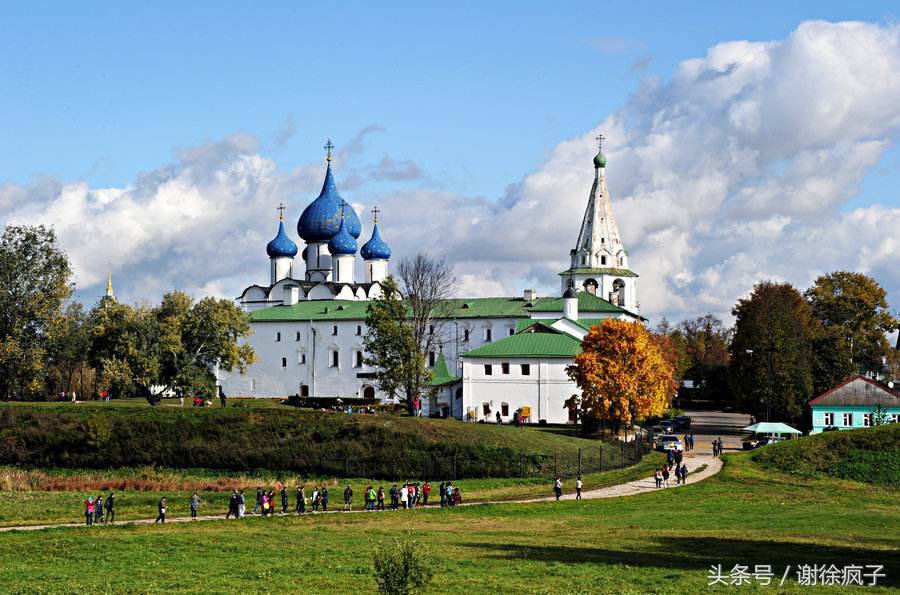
(284,439)
(870,455)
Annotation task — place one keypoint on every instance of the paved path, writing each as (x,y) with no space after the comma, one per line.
(631,488)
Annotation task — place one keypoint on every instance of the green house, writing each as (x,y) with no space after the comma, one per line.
(854,403)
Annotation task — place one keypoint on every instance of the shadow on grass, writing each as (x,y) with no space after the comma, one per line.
(699,553)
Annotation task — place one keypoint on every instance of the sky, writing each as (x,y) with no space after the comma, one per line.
(745,142)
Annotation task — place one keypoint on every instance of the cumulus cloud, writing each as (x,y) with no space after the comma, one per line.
(737,168)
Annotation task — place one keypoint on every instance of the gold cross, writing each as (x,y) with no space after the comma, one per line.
(329,146)
(375,211)
(280,210)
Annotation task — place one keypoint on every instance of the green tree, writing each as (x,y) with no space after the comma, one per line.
(69,367)
(172,347)
(770,372)
(852,323)
(707,343)
(390,346)
(35,282)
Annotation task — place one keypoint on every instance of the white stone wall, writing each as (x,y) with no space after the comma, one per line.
(343,268)
(281,268)
(544,390)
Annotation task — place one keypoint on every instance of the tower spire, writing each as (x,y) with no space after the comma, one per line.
(280,208)
(110,294)
(375,211)
(329,147)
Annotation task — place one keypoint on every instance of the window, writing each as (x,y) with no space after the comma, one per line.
(358,330)
(512,332)
(284,362)
(431,359)
(334,358)
(358,359)
(430,329)
(895,418)
(828,419)
(867,419)
(603,260)
(488,370)
(301,357)
(504,409)
(504,368)
(466,335)
(847,419)
(526,369)
(277,337)
(486,407)
(488,335)
(298,336)
(334,330)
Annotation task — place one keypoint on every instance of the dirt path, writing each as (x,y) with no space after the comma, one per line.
(630,488)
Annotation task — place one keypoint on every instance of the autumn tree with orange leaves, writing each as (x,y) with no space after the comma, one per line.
(623,373)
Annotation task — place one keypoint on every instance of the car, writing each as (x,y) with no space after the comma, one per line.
(661,430)
(683,422)
(769,440)
(668,442)
(669,425)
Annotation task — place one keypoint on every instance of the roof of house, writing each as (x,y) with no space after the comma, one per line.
(530,345)
(585,323)
(858,391)
(601,271)
(587,302)
(441,374)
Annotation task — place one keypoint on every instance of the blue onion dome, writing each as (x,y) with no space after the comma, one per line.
(375,248)
(321,219)
(342,242)
(282,244)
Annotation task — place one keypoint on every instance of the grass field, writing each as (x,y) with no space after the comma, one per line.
(659,542)
(56,496)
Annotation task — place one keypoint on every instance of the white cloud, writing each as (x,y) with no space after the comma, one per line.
(734,170)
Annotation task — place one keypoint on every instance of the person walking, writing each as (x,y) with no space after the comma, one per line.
(284,499)
(242,505)
(557,488)
(443,495)
(684,473)
(449,493)
(665,475)
(657,477)
(299,497)
(404,496)
(691,440)
(426,491)
(161,517)
(89,511)
(578,486)
(98,509)
(324,499)
(259,495)
(111,508)
(348,498)
(715,447)
(232,505)
(301,500)
(720,448)
(195,505)
(380,497)
(315,500)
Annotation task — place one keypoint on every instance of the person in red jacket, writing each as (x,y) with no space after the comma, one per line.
(426,489)
(89,511)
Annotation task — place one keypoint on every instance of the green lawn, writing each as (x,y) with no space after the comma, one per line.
(659,542)
(63,503)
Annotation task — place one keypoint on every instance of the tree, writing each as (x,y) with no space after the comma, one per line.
(390,346)
(173,346)
(851,312)
(401,567)
(707,344)
(880,416)
(623,374)
(68,367)
(405,324)
(771,371)
(35,282)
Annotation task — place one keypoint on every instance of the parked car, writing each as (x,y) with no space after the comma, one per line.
(683,422)
(668,442)
(659,430)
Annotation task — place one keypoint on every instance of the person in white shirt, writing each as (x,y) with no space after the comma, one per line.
(578,486)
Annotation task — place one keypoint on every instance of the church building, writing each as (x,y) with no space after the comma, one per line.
(496,355)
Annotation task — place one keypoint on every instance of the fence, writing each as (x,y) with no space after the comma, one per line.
(455,465)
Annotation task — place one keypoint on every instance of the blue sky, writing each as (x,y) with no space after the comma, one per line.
(477,93)
(747,141)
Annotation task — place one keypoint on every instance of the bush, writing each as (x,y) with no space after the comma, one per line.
(400,568)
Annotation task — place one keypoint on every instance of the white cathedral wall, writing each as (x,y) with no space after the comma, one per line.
(281,268)
(544,390)
(376,270)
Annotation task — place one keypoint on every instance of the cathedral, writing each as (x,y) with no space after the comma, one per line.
(495,356)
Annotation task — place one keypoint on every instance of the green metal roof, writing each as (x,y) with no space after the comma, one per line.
(602,271)
(586,323)
(530,345)
(441,374)
(587,302)
(501,307)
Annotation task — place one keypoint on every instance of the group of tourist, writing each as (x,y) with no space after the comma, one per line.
(558,488)
(689,441)
(661,475)
(94,509)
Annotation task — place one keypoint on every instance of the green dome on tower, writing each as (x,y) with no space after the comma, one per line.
(600,160)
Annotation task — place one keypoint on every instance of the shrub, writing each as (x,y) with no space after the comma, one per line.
(401,568)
